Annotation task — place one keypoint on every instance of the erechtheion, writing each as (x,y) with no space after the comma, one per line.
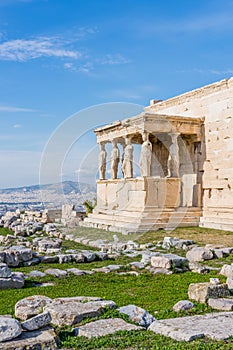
(186,165)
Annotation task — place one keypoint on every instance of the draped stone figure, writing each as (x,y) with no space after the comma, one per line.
(127,165)
(173,159)
(102,161)
(115,158)
(146,154)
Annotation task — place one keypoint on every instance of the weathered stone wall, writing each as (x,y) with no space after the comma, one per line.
(215,103)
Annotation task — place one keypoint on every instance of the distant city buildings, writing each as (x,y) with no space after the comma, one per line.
(38,200)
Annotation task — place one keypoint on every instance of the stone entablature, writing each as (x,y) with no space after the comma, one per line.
(149,122)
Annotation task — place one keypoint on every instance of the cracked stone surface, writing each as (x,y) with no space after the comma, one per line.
(216,326)
(104,327)
(67,312)
(41,339)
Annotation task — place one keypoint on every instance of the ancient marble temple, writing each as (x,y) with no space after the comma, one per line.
(186,165)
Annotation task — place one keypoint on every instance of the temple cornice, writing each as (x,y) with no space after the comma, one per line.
(151,123)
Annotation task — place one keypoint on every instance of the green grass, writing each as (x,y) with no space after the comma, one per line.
(155,293)
(199,235)
(4,231)
(94,233)
(135,340)
(74,245)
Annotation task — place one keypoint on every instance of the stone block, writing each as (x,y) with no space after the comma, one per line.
(222,304)
(9,328)
(103,327)
(216,326)
(229,283)
(31,306)
(137,314)
(37,322)
(37,273)
(199,254)
(227,270)
(168,261)
(57,273)
(15,281)
(42,339)
(183,305)
(5,271)
(70,313)
(201,292)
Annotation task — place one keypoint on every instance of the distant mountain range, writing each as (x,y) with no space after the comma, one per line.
(65,187)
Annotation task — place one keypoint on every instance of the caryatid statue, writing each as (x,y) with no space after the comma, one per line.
(115,158)
(146,154)
(102,161)
(127,165)
(173,159)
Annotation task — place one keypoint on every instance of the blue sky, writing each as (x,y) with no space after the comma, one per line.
(58,57)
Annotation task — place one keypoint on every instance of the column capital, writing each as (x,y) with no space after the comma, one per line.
(174,134)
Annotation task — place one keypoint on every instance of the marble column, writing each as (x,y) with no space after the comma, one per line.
(173,158)
(146,155)
(127,164)
(114,159)
(102,161)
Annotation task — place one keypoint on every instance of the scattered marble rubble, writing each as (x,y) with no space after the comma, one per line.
(156,262)
(8,279)
(103,327)
(223,304)
(35,314)
(183,305)
(137,315)
(29,223)
(174,242)
(41,339)
(197,254)
(201,292)
(10,328)
(216,326)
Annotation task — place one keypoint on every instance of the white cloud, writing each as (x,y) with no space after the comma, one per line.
(84,68)
(24,50)
(220,21)
(221,72)
(63,47)
(17,126)
(113,59)
(11,109)
(87,67)
(69,65)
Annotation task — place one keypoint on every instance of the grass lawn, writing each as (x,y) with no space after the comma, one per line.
(199,235)
(156,293)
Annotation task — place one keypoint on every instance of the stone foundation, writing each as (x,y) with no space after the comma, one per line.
(141,204)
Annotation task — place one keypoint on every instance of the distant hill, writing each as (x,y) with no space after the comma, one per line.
(66,187)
